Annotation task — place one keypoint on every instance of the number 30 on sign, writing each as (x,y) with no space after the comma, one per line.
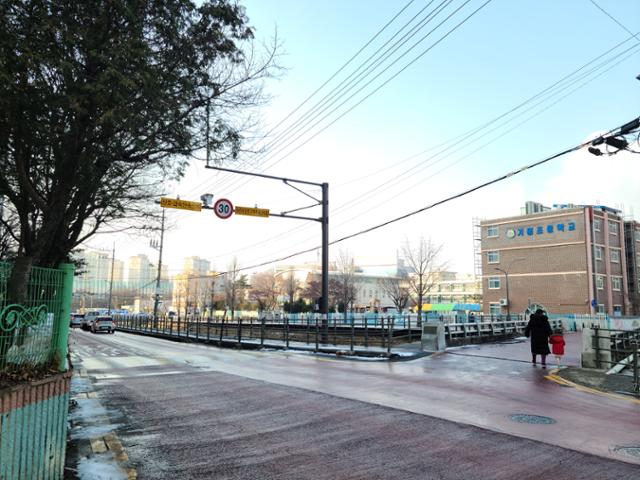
(223,208)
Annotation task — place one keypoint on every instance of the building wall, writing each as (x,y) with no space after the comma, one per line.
(548,257)
(632,253)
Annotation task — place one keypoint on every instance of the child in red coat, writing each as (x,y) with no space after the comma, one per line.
(557,345)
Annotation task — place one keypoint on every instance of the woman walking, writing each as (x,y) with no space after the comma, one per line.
(539,330)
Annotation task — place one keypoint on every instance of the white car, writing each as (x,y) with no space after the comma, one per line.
(89,317)
(103,323)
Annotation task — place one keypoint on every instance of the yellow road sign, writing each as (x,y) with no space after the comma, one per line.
(252,212)
(181,204)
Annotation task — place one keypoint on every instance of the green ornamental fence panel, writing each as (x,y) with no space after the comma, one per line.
(35,332)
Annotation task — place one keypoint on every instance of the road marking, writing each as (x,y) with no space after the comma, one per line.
(567,383)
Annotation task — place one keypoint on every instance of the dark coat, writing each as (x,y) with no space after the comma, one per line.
(540,331)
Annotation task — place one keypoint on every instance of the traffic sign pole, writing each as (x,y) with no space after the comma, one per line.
(324,220)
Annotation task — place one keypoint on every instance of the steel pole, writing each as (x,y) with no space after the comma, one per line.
(113,262)
(157,296)
(324,307)
(506,282)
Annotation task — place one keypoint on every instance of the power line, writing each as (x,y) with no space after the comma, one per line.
(415,59)
(435,204)
(615,20)
(344,65)
(240,182)
(551,92)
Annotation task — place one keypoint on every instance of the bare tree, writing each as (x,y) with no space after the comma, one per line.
(398,289)
(290,287)
(346,280)
(234,284)
(264,290)
(423,268)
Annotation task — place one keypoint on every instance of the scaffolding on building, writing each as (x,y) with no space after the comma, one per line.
(477,247)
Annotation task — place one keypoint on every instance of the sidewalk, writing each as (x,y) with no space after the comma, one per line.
(93,449)
(599,380)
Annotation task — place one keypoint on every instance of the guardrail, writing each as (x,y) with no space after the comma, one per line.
(616,350)
(379,331)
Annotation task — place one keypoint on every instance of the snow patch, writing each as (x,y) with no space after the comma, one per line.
(100,467)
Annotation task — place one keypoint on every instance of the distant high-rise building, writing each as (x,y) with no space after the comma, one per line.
(196,265)
(140,273)
(118,270)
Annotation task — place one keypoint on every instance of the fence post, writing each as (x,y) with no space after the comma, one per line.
(382,332)
(390,324)
(335,330)
(262,332)
(409,320)
(239,330)
(636,371)
(366,332)
(317,333)
(208,328)
(353,331)
(597,345)
(66,296)
(250,328)
(307,330)
(286,332)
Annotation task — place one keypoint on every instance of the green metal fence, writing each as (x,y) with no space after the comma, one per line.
(34,333)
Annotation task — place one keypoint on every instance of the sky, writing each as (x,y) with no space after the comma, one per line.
(553,73)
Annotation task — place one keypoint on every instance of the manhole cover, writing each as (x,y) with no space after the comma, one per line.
(534,419)
(631,451)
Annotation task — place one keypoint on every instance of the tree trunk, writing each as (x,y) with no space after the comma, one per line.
(420,301)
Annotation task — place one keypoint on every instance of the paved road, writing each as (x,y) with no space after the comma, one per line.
(200,412)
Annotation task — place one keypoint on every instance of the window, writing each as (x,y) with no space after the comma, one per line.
(617,283)
(615,256)
(493,231)
(494,283)
(598,253)
(613,228)
(493,257)
(495,309)
(637,235)
(601,308)
(599,282)
(597,224)
(617,310)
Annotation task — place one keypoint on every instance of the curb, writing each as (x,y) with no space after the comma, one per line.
(108,442)
(568,383)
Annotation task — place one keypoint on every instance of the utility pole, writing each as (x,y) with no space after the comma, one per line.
(324,305)
(159,248)
(113,263)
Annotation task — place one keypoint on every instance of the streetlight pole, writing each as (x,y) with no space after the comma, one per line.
(506,283)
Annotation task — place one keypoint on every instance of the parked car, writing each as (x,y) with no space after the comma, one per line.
(103,324)
(76,320)
(89,317)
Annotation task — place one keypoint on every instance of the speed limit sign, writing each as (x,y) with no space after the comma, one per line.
(223,208)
